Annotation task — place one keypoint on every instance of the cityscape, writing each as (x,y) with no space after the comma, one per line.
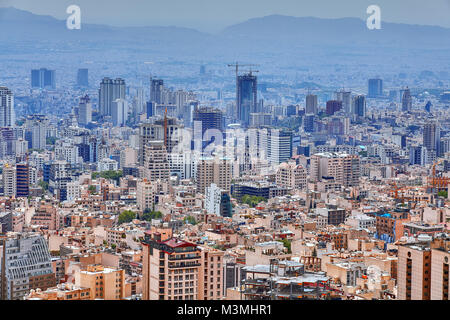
(282,158)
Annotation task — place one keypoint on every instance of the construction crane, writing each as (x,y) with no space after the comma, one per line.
(237,65)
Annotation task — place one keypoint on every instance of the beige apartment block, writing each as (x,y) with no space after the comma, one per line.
(104,283)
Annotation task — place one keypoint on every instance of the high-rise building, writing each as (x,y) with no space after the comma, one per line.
(119,112)
(36,125)
(418,155)
(145,194)
(82,77)
(22,179)
(414,272)
(440,260)
(9,180)
(110,90)
(291,175)
(7,141)
(375,88)
(346,98)
(7,114)
(156,89)
(343,167)
(208,118)
(217,201)
(428,106)
(432,137)
(278,145)
(85,111)
(359,106)
(149,131)
(59,176)
(175,269)
(311,104)
(406,100)
(246,97)
(333,106)
(25,264)
(212,170)
(156,164)
(43,78)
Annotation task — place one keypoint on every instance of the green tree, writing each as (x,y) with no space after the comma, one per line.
(148,215)
(110,175)
(443,193)
(126,216)
(252,201)
(287,244)
(92,189)
(43,184)
(314,253)
(190,220)
(51,141)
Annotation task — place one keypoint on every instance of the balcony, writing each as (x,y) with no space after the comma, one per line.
(174,258)
(183,265)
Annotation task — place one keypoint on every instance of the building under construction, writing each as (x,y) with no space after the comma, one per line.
(285,280)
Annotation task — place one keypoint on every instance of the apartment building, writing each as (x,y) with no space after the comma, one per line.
(64,291)
(345,168)
(103,283)
(440,259)
(217,171)
(145,194)
(25,264)
(291,175)
(156,164)
(171,268)
(210,274)
(414,272)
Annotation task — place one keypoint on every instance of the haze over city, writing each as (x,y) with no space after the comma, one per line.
(226,151)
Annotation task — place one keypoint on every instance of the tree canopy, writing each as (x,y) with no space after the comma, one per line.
(252,201)
(126,216)
(148,215)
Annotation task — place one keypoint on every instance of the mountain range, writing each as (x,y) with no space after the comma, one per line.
(275,36)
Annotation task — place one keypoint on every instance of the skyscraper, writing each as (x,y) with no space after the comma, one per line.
(7,114)
(82,78)
(9,180)
(359,106)
(346,98)
(333,106)
(406,100)
(246,97)
(119,112)
(36,127)
(432,137)
(43,78)
(156,88)
(22,179)
(311,104)
(209,118)
(85,110)
(375,88)
(279,145)
(110,90)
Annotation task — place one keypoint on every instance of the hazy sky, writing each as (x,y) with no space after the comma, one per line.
(213,15)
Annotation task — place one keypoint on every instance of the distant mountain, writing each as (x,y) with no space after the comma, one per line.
(336,31)
(23,25)
(289,41)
